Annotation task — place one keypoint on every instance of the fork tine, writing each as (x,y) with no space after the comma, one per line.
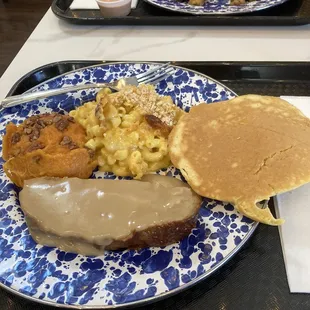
(155,82)
(151,72)
(161,76)
(153,75)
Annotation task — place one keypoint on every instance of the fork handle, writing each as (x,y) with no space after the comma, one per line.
(19,99)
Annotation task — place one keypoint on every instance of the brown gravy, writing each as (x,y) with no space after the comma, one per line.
(84,216)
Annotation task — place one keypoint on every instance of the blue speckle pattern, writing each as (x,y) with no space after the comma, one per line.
(117,277)
(212,7)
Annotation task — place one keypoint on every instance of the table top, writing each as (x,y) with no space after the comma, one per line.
(55,40)
(240,284)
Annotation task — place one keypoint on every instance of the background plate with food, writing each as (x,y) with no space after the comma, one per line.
(210,7)
(121,277)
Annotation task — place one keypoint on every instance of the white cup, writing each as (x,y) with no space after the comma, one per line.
(114,8)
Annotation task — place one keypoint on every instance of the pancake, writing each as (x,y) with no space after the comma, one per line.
(243,151)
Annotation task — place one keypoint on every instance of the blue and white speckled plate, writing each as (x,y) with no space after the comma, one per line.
(117,278)
(213,7)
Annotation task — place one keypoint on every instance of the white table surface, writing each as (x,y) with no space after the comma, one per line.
(55,40)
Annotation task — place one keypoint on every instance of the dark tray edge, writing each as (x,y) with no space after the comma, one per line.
(85,63)
(12,91)
(190,20)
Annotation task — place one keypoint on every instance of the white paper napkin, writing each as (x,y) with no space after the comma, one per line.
(92,4)
(294,207)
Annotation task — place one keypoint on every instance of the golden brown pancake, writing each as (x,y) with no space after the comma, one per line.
(243,151)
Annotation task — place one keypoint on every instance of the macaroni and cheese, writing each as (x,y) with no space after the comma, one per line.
(120,132)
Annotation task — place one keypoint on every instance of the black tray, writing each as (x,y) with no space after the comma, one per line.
(255,278)
(266,78)
(292,12)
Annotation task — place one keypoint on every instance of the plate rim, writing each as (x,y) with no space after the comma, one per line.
(108,63)
(213,13)
(163,295)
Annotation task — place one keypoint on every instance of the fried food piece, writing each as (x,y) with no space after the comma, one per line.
(157,124)
(46,145)
(197,2)
(243,151)
(237,2)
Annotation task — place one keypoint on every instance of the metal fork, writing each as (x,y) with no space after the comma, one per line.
(149,77)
